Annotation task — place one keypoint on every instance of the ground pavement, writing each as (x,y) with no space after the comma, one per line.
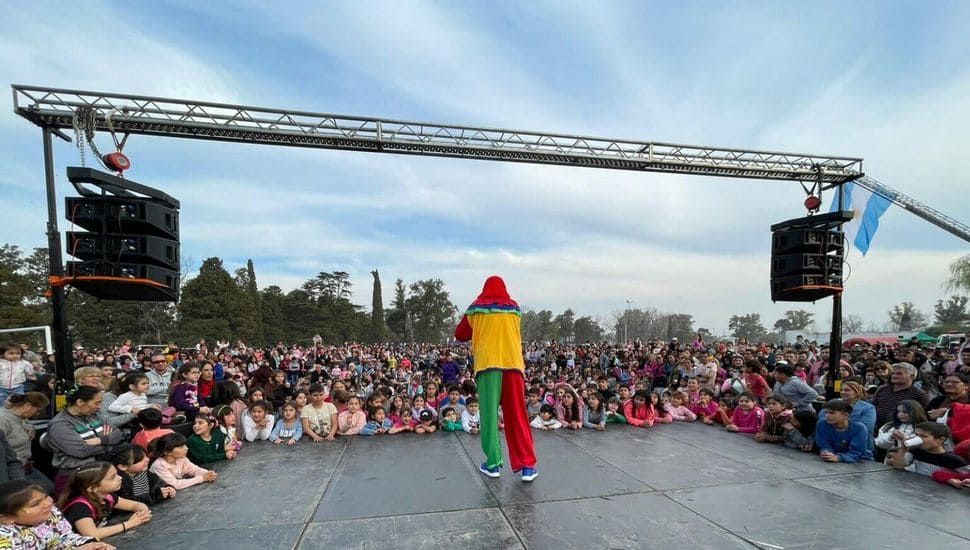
(684,486)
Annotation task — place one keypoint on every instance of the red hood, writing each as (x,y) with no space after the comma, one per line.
(494,292)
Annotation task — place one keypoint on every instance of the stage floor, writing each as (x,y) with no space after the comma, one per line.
(675,486)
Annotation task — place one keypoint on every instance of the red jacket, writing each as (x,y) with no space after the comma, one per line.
(644,416)
(959,422)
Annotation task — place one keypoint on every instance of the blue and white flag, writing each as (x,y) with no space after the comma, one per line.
(866,207)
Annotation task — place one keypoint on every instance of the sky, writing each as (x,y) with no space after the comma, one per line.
(886,81)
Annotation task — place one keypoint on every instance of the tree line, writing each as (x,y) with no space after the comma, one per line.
(217,305)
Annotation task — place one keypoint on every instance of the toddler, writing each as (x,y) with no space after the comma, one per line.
(14,371)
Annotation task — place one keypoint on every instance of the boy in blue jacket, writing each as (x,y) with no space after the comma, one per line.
(840,440)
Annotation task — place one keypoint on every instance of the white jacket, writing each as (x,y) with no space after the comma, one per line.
(885,439)
(15,373)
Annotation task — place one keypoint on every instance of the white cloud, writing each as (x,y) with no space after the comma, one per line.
(563,237)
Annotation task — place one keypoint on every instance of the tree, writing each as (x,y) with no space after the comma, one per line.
(794,320)
(852,324)
(905,317)
(952,313)
(396,318)
(22,301)
(959,275)
(747,326)
(565,326)
(253,290)
(206,304)
(681,326)
(431,311)
(377,310)
(272,301)
(586,329)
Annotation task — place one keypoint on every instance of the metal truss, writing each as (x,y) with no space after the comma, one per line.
(130,114)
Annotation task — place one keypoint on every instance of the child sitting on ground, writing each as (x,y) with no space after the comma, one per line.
(838,438)
(533,403)
(288,428)
(726,405)
(426,422)
(546,420)
(173,466)
(450,421)
(678,407)
(150,420)
(778,415)
(901,432)
(88,502)
(594,414)
(257,421)
(379,424)
(800,430)
(352,420)
(137,483)
(470,420)
(226,419)
(638,411)
(748,417)
(662,408)
(706,407)
(614,411)
(208,444)
(931,456)
(24,525)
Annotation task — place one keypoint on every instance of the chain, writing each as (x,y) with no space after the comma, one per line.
(78,138)
(85,123)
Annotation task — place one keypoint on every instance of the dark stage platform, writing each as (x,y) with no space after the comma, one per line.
(684,486)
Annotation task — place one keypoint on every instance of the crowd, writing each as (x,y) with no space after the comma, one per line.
(141,425)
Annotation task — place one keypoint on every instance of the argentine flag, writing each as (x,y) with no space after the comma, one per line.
(866,208)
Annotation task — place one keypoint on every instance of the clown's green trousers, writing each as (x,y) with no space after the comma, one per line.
(506,388)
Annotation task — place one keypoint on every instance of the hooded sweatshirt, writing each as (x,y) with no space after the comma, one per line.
(493,324)
(67,434)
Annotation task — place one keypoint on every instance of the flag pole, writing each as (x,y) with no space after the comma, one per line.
(835,338)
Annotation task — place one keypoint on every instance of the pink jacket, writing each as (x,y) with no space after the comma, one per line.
(748,422)
(700,410)
(351,423)
(643,417)
(175,474)
(682,413)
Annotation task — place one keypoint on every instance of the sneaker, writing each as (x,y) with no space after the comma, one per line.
(528,474)
(495,471)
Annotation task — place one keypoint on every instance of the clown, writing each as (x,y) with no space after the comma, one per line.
(492,323)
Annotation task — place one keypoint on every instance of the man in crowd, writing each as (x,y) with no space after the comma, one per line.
(800,394)
(899,388)
(159,379)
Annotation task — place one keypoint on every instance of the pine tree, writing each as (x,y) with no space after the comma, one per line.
(204,308)
(377,309)
(253,291)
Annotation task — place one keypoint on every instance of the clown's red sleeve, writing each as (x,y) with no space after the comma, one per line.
(463,332)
